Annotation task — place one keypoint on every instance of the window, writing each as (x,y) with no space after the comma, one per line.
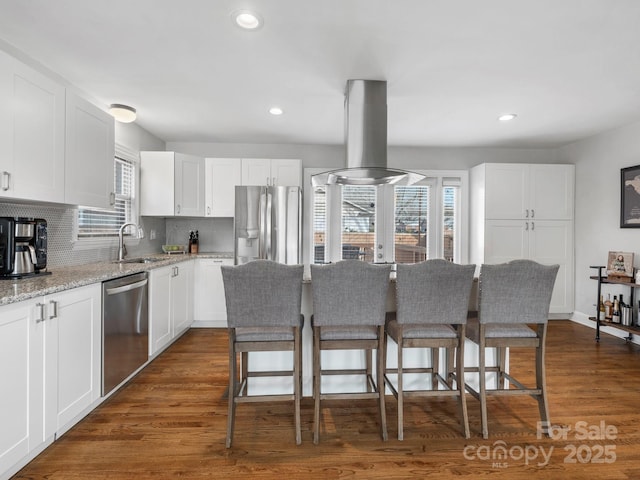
(96,223)
(401,224)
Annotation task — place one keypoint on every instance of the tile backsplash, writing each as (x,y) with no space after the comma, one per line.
(215,234)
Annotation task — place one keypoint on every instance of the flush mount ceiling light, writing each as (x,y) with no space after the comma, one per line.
(122,113)
(507,117)
(276,111)
(247,20)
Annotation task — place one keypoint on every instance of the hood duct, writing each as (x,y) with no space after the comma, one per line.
(366,140)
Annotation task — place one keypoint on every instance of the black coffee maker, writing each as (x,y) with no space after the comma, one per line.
(23,247)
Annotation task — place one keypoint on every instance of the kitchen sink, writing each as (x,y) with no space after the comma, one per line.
(139,260)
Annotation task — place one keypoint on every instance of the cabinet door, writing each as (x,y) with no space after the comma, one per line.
(22,378)
(35,169)
(256,171)
(551,192)
(210,305)
(506,240)
(286,172)
(189,186)
(551,242)
(222,176)
(157,170)
(73,366)
(506,191)
(182,297)
(89,154)
(160,333)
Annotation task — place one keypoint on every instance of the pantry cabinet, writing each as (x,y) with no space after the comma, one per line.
(170,304)
(525,211)
(209,301)
(277,172)
(172,184)
(221,177)
(32,133)
(89,152)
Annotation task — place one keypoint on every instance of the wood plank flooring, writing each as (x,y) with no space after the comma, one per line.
(169,422)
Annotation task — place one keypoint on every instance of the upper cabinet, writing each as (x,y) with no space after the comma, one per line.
(171,184)
(32,123)
(527,191)
(264,171)
(89,154)
(221,177)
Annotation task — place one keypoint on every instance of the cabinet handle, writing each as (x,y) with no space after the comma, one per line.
(178,209)
(273,181)
(112,199)
(526,215)
(208,210)
(267,180)
(533,213)
(527,226)
(40,312)
(54,309)
(533,226)
(6,177)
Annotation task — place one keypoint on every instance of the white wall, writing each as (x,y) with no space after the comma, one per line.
(598,161)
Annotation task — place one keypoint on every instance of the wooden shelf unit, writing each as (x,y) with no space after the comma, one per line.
(630,329)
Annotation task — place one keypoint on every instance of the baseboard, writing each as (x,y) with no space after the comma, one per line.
(209,324)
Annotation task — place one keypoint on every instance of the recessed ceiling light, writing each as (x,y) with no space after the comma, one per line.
(276,111)
(122,113)
(247,20)
(507,116)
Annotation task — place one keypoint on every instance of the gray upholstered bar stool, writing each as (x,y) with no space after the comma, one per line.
(349,300)
(513,296)
(263,313)
(432,300)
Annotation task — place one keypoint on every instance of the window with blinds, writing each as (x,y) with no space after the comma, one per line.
(358,222)
(411,223)
(450,195)
(93,222)
(319,224)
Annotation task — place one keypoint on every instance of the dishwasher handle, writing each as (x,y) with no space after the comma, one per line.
(126,288)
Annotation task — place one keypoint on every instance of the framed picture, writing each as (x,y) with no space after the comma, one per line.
(630,197)
(620,264)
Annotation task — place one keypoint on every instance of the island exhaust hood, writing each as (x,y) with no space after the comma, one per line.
(366,140)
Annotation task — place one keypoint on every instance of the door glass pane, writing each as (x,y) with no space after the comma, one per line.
(450,195)
(319,224)
(411,223)
(358,222)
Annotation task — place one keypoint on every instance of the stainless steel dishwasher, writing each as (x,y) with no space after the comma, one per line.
(125,328)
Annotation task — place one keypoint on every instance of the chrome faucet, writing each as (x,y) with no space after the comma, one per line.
(122,251)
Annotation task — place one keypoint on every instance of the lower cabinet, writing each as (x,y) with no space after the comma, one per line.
(50,363)
(170,304)
(209,301)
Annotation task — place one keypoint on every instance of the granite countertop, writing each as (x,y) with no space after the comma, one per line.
(65,278)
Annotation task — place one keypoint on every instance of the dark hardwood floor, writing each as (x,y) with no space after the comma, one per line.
(170,422)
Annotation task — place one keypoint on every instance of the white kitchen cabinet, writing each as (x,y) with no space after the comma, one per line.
(171,184)
(524,191)
(264,171)
(512,217)
(221,177)
(73,361)
(182,297)
(170,304)
(22,380)
(32,133)
(89,154)
(210,305)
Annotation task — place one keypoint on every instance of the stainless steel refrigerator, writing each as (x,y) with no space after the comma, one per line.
(268,224)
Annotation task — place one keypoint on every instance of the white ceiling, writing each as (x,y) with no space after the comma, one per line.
(568,68)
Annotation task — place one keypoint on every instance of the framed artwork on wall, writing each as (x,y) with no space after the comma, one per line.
(630,197)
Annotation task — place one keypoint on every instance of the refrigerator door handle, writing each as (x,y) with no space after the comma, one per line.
(263,225)
(268,232)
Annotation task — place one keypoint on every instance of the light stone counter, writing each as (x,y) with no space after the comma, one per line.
(65,278)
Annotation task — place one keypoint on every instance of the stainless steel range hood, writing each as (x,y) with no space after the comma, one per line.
(366,140)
